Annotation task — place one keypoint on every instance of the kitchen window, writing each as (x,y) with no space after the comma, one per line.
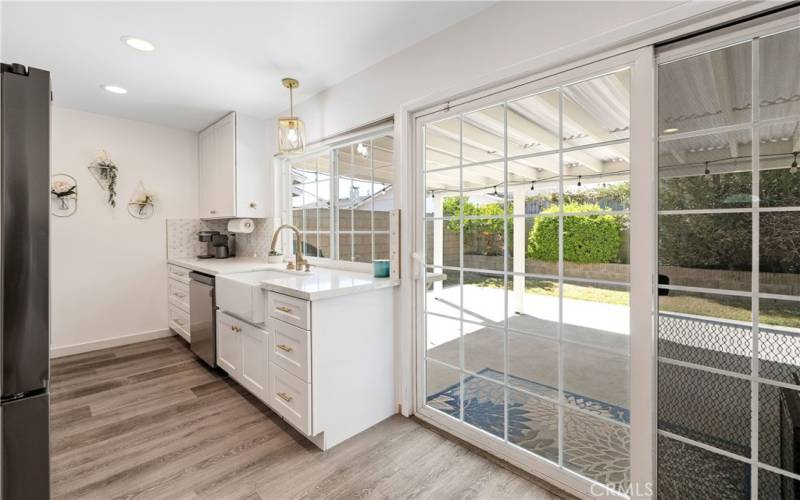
(340,197)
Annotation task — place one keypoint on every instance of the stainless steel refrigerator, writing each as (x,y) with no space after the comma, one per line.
(24,282)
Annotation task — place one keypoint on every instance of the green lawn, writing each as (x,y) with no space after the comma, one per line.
(772,312)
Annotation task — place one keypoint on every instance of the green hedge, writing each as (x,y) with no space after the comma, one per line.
(587,238)
(489,231)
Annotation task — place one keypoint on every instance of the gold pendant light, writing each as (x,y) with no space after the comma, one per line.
(291,131)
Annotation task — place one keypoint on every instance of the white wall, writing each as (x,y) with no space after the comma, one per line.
(505,42)
(108,270)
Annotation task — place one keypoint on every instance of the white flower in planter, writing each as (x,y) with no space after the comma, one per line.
(62,188)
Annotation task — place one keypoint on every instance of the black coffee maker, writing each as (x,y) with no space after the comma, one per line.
(207,238)
(224,246)
(218,245)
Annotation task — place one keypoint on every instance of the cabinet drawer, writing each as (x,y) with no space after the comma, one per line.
(179,321)
(290,397)
(178,273)
(178,293)
(289,309)
(290,349)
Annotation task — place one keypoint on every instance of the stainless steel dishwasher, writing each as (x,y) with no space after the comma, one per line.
(203,317)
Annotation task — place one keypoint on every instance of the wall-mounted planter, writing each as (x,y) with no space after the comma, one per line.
(142,203)
(105,172)
(63,195)
(141,210)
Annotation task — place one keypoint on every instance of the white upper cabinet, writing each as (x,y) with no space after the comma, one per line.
(233,168)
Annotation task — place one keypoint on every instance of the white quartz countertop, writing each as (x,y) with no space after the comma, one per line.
(320,283)
(324,283)
(225,266)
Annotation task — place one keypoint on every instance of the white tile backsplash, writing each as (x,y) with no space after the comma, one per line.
(182,237)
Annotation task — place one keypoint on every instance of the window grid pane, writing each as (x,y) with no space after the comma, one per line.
(474,213)
(334,195)
(717,325)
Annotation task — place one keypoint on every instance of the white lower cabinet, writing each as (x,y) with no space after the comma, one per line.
(255,365)
(325,366)
(229,345)
(178,300)
(243,352)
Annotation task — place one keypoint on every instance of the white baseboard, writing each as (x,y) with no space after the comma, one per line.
(66,350)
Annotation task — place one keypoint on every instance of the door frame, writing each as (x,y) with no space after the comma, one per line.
(642,282)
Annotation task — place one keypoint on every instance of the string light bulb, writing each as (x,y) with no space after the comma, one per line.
(793,168)
(579,181)
(707,173)
(532,187)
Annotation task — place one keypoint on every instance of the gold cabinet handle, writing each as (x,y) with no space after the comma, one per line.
(284,309)
(236,329)
(179,321)
(285,397)
(284,347)
(179,295)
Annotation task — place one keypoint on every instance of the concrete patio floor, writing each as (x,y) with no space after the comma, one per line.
(600,374)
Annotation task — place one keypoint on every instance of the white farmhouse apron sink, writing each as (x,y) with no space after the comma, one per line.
(241,294)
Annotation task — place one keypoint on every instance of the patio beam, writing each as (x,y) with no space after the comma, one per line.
(721,79)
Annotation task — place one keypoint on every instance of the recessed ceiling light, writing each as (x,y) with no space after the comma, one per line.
(670,130)
(114,89)
(138,43)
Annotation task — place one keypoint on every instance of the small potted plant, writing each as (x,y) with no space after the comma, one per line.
(106,172)
(275,257)
(144,200)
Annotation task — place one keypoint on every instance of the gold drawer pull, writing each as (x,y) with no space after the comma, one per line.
(284,347)
(179,295)
(236,329)
(284,309)
(179,321)
(285,397)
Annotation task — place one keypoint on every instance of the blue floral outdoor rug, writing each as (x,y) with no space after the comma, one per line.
(608,410)
(593,447)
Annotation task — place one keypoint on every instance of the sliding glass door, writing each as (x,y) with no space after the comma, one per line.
(525,304)
(610,294)
(729,264)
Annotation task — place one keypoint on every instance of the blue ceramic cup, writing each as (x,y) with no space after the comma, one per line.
(380,268)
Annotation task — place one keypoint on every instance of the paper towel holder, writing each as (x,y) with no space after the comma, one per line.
(245,226)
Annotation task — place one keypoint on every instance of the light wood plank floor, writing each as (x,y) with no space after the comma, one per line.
(149,421)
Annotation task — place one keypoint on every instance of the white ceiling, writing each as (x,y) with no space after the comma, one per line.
(211,57)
